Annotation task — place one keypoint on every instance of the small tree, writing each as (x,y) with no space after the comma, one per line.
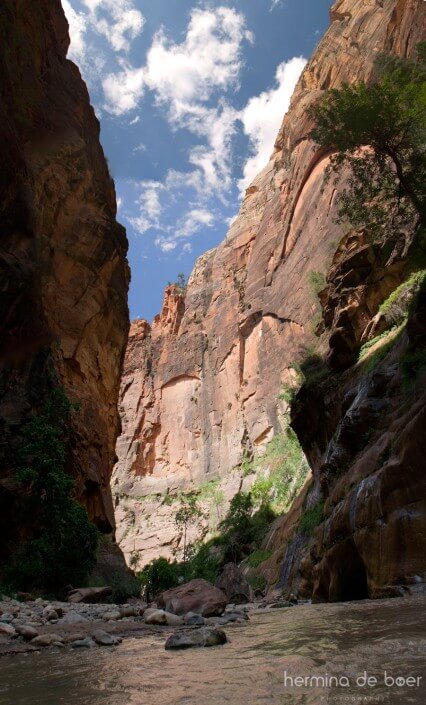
(379,131)
(63,547)
(181,284)
(188,514)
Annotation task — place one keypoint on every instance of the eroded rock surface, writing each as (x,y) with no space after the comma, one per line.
(63,268)
(200,385)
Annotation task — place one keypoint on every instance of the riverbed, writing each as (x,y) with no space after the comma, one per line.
(309,654)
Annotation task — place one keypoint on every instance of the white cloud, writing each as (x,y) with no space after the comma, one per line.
(117,20)
(149,206)
(193,221)
(165,244)
(183,77)
(140,148)
(77,30)
(135,120)
(263,115)
(213,158)
(208,59)
(123,90)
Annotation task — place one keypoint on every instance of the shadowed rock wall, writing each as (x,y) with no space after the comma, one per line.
(63,268)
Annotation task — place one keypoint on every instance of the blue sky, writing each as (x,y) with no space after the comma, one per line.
(190,96)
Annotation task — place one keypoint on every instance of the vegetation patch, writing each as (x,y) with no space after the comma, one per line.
(283,469)
(372,359)
(397,306)
(63,551)
(311,518)
(257,557)
(385,189)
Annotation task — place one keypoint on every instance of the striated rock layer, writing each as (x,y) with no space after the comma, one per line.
(63,268)
(200,386)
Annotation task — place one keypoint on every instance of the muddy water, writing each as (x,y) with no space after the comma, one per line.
(312,642)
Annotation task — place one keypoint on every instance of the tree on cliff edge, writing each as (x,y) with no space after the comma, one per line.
(379,132)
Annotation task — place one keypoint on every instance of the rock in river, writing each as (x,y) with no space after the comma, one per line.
(197,596)
(207,636)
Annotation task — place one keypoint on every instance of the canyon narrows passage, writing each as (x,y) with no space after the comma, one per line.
(264,433)
(202,398)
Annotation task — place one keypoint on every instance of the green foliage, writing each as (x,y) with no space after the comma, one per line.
(288,393)
(244,527)
(212,493)
(313,369)
(181,284)
(159,575)
(389,339)
(203,562)
(247,465)
(311,518)
(257,582)
(162,574)
(188,514)
(386,187)
(285,469)
(397,306)
(317,281)
(257,557)
(64,550)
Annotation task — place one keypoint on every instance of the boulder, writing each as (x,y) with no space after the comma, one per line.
(27,632)
(89,595)
(129,611)
(194,620)
(234,584)
(155,617)
(173,620)
(112,615)
(86,643)
(104,639)
(197,596)
(7,629)
(50,614)
(207,636)
(73,618)
(46,640)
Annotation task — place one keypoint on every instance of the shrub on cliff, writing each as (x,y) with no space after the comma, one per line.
(378,131)
(397,306)
(63,550)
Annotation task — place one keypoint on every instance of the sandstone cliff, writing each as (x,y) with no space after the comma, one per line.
(200,387)
(63,268)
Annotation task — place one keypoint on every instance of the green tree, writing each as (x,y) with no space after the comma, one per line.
(188,514)
(63,549)
(159,575)
(379,131)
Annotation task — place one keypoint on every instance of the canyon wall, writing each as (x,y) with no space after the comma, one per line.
(63,268)
(201,385)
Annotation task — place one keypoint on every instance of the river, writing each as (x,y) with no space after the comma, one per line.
(347,641)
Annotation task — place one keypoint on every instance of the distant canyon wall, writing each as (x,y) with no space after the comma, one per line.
(200,385)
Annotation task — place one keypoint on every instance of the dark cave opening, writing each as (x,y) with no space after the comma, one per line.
(350,578)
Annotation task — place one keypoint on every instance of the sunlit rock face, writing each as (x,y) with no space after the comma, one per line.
(201,386)
(64,273)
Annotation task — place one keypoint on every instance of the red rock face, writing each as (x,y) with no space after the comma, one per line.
(64,274)
(201,388)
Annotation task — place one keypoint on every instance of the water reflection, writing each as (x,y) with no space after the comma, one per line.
(341,640)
